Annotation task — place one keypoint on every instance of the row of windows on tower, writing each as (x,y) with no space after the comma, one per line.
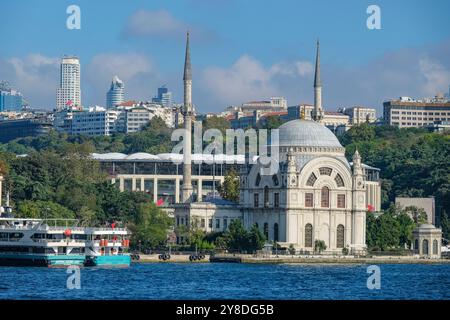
(309,199)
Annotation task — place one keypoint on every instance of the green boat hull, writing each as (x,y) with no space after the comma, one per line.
(112,260)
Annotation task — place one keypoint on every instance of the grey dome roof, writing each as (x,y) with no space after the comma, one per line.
(306,133)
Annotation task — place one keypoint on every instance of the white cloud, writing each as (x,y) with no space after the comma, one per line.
(435,74)
(35,75)
(136,70)
(249,79)
(159,23)
(162,24)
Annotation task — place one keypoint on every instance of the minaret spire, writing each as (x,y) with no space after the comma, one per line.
(186,188)
(187,61)
(318,112)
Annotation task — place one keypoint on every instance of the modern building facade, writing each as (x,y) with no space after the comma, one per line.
(161,175)
(10,100)
(13,129)
(164,97)
(409,113)
(115,95)
(97,121)
(69,91)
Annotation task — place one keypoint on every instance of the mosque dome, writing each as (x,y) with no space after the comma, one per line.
(306,133)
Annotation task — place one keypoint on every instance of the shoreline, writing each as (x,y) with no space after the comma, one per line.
(249,259)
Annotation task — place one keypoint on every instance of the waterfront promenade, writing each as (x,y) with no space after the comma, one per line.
(296,259)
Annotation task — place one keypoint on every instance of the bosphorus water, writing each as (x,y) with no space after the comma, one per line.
(200,281)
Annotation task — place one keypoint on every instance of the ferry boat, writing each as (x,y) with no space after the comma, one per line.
(60,242)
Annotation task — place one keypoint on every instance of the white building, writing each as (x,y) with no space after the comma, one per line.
(314,195)
(139,116)
(115,94)
(359,115)
(69,91)
(406,112)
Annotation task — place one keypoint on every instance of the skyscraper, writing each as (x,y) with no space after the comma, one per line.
(69,91)
(115,95)
(10,100)
(164,97)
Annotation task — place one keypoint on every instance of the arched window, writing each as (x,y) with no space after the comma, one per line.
(258,180)
(308,236)
(311,180)
(266,196)
(325,197)
(266,230)
(416,245)
(425,246)
(325,171)
(275,180)
(435,247)
(340,236)
(275,232)
(339,181)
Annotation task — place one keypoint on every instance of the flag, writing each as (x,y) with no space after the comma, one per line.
(160,202)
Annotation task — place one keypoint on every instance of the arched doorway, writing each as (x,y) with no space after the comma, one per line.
(425,246)
(435,247)
(308,235)
(340,236)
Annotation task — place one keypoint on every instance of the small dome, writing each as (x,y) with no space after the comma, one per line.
(306,133)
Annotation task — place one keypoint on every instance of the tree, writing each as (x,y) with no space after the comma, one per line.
(257,239)
(319,246)
(151,226)
(43,210)
(445,225)
(229,190)
(419,215)
(272,122)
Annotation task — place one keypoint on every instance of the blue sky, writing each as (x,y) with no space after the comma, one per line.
(241,49)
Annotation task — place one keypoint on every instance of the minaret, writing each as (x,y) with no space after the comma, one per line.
(317,112)
(358,226)
(186,188)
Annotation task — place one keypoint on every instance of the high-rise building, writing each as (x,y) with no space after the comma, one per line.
(69,91)
(10,100)
(164,97)
(115,95)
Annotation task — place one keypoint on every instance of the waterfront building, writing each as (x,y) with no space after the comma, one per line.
(164,97)
(406,112)
(115,94)
(10,100)
(427,241)
(69,91)
(427,204)
(316,194)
